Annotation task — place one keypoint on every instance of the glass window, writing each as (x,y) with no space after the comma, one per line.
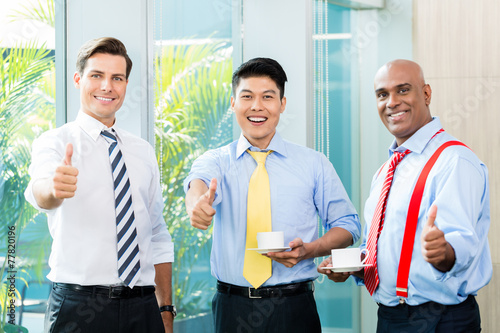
(193,66)
(334,120)
(27,108)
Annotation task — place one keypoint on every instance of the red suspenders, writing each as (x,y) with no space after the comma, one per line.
(412,220)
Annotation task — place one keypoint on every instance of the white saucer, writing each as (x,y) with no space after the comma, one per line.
(345,269)
(264,251)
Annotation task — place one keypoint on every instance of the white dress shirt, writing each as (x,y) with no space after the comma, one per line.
(83,228)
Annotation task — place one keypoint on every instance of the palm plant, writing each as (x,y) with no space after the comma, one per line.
(192,115)
(21,70)
(27,96)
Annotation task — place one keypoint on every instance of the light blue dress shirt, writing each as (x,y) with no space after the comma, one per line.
(303,185)
(458,185)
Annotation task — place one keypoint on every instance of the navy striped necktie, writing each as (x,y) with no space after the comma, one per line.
(128,246)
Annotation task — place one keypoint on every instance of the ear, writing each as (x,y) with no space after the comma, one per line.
(283,104)
(232,103)
(76,79)
(427,94)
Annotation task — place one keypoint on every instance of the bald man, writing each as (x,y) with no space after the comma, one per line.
(441,242)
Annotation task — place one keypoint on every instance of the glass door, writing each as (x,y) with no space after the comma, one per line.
(335,135)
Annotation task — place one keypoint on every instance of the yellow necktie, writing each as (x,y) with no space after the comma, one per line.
(258,268)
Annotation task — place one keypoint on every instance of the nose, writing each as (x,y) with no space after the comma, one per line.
(257,104)
(393,101)
(106,84)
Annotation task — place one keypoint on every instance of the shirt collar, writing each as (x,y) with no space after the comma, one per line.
(419,140)
(91,126)
(277,145)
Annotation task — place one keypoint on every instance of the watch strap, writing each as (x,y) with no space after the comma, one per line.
(169,308)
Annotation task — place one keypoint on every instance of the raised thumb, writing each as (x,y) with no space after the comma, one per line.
(211,190)
(432,216)
(68,154)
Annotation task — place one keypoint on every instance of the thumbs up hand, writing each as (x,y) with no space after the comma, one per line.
(435,249)
(64,180)
(202,212)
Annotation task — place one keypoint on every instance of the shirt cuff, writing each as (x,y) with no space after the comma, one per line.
(30,197)
(163,252)
(359,282)
(349,223)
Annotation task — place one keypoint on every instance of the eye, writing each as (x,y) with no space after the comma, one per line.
(245,96)
(382,95)
(95,76)
(404,90)
(268,96)
(117,78)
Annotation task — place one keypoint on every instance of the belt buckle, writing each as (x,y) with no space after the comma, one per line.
(402,300)
(114,292)
(250,293)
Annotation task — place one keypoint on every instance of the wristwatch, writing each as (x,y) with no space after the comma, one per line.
(170,308)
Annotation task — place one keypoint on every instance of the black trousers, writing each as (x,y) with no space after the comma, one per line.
(71,311)
(430,317)
(290,314)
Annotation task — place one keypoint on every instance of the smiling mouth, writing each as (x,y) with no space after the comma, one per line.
(396,115)
(257,119)
(104,99)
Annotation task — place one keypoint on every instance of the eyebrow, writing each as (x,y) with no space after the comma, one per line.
(397,87)
(95,71)
(264,92)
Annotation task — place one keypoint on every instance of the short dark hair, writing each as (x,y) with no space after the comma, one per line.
(259,67)
(107,45)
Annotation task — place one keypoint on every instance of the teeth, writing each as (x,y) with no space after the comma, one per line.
(104,99)
(257,119)
(398,114)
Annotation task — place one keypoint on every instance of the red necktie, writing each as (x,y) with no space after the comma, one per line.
(371,273)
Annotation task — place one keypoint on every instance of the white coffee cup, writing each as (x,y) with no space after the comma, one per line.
(350,257)
(270,240)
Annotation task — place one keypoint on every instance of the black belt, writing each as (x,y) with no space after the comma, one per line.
(434,305)
(266,292)
(110,292)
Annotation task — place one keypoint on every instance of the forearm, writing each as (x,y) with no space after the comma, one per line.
(197,188)
(163,280)
(42,191)
(335,238)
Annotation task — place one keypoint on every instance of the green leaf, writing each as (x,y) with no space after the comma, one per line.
(38,12)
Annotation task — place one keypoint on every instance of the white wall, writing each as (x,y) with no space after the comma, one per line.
(129,23)
(282,30)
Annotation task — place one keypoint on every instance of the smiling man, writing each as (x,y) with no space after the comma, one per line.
(99,186)
(427,217)
(299,185)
